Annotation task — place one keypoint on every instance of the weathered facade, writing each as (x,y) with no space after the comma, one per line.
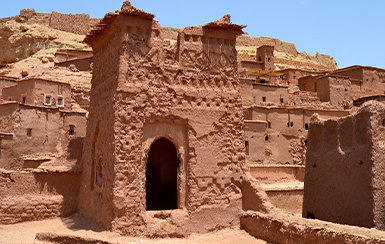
(344,181)
(40,92)
(147,96)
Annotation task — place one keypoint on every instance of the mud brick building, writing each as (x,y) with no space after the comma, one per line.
(40,92)
(165,128)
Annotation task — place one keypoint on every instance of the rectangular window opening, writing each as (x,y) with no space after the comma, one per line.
(263,99)
(47,100)
(71,130)
(60,101)
(247,147)
(24,100)
(306,126)
(29,132)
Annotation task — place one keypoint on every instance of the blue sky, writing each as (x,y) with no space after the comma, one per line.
(353,32)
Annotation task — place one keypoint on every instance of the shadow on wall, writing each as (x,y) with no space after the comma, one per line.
(65,184)
(76,222)
(75,148)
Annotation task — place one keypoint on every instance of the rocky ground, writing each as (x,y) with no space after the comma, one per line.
(76,227)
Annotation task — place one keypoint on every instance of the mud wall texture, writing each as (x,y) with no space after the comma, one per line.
(187,93)
(28,196)
(35,135)
(344,169)
(282,139)
(77,24)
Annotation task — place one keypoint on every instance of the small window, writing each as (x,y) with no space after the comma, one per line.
(294,77)
(263,99)
(268,124)
(306,126)
(29,132)
(47,100)
(268,59)
(259,59)
(60,101)
(288,124)
(247,147)
(24,100)
(254,100)
(305,142)
(9,98)
(266,138)
(291,124)
(346,90)
(372,80)
(281,100)
(383,122)
(71,130)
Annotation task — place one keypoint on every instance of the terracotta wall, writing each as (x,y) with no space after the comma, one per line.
(35,91)
(78,23)
(344,169)
(272,94)
(29,196)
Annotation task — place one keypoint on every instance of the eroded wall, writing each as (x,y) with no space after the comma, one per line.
(344,169)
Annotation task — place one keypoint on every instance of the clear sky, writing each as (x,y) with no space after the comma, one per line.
(353,32)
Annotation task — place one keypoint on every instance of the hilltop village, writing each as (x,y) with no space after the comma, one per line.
(146,122)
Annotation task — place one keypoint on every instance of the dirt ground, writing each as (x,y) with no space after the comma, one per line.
(25,233)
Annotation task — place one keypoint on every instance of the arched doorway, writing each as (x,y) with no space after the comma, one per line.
(161,176)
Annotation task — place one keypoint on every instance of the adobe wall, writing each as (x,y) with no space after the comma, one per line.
(255,133)
(34,90)
(29,196)
(77,24)
(189,94)
(272,94)
(335,90)
(344,168)
(6,82)
(283,141)
(49,135)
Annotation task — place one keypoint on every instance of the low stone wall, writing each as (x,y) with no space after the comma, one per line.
(77,24)
(27,196)
(284,228)
(16,209)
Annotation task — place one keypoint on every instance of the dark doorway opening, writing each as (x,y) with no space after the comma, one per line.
(161,176)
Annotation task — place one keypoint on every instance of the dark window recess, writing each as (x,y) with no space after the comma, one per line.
(268,124)
(346,89)
(60,101)
(383,122)
(268,59)
(247,147)
(266,138)
(305,142)
(47,99)
(306,126)
(291,124)
(262,81)
(24,100)
(259,59)
(71,130)
(263,99)
(288,124)
(29,132)
(281,100)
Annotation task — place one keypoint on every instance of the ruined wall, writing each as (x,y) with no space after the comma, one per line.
(187,93)
(29,196)
(77,24)
(344,169)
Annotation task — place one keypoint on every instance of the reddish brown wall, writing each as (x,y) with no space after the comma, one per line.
(78,23)
(344,169)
